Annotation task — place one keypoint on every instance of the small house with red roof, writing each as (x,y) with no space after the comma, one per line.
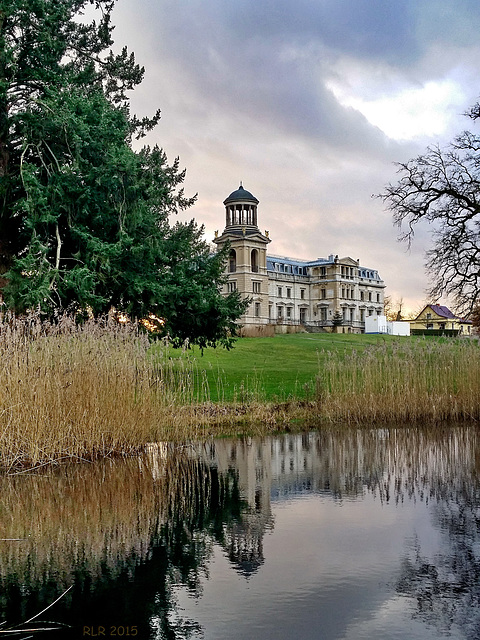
(440,318)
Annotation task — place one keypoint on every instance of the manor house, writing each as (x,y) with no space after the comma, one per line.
(289,294)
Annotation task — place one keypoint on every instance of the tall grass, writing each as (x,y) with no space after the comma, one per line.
(83,392)
(403,381)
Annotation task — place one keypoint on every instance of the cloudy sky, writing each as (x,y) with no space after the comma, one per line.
(309,103)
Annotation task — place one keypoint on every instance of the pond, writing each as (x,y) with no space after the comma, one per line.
(339,534)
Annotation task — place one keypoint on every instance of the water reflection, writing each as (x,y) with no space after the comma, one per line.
(189,525)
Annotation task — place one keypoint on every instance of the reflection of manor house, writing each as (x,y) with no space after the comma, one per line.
(335,464)
(287,293)
(278,468)
(244,536)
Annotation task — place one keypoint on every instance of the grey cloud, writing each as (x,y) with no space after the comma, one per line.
(243,86)
(263,74)
(270,60)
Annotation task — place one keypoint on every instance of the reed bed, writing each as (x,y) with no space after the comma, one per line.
(403,382)
(70,392)
(89,391)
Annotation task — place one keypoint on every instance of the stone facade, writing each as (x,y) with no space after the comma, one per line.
(289,294)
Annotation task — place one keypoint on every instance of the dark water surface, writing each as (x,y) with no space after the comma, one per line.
(348,534)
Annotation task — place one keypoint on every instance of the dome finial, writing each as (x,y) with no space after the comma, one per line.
(241,184)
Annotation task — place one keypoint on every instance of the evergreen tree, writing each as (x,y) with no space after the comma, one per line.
(337,320)
(84,219)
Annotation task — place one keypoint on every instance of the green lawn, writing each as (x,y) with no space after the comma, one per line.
(276,368)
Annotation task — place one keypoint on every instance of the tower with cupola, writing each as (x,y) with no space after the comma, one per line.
(247,260)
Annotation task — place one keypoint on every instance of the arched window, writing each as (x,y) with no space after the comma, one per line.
(232,261)
(254,260)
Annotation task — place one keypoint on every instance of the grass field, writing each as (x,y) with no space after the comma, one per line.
(270,369)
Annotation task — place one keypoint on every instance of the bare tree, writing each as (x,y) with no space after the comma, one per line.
(393,308)
(443,187)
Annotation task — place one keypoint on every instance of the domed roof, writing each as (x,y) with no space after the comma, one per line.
(240,195)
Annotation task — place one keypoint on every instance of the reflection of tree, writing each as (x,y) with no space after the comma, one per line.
(121,538)
(446,589)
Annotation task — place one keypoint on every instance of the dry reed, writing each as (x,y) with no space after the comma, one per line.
(89,391)
(83,392)
(403,382)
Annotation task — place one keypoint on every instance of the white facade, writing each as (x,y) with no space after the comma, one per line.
(380,324)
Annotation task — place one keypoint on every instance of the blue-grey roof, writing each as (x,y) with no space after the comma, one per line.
(296,262)
(444,312)
(371,274)
(241,195)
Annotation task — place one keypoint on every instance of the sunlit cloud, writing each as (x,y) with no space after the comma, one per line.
(407,113)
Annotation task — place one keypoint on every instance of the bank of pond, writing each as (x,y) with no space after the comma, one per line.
(101,389)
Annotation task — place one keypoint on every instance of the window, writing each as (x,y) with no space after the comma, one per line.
(289,312)
(369,296)
(362,315)
(232,286)
(323,314)
(352,315)
(232,261)
(289,292)
(362,295)
(279,292)
(302,294)
(256,287)
(254,260)
(378,297)
(303,315)
(257,309)
(324,294)
(279,313)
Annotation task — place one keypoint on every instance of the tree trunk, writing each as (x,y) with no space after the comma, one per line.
(3,102)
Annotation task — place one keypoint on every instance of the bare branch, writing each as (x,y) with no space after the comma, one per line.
(442,187)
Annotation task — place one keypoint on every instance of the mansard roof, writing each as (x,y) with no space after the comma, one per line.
(364,272)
